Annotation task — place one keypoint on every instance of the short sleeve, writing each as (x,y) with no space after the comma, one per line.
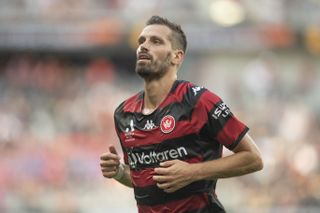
(221,124)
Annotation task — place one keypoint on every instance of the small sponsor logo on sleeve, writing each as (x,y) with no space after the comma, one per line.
(196,90)
(221,110)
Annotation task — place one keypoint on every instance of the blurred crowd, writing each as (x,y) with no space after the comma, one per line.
(56,118)
(277,96)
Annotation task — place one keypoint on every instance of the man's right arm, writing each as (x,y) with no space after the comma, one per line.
(112,168)
(125,178)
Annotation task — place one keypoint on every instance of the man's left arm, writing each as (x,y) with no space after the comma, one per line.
(175,174)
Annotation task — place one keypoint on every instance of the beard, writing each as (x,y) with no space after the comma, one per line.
(153,69)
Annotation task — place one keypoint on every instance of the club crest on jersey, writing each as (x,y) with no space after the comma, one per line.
(167,124)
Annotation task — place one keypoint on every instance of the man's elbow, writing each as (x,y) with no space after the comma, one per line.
(258,162)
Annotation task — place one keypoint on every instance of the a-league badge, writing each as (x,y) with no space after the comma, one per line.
(167,124)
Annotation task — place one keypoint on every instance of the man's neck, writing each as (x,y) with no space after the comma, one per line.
(155,91)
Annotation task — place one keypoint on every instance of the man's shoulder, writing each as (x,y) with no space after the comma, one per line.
(130,104)
(194,93)
(190,89)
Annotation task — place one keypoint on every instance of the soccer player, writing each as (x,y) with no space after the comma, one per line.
(172,133)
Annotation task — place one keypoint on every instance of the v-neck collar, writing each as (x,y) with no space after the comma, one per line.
(173,88)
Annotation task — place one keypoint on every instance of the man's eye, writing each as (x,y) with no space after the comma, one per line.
(141,40)
(156,41)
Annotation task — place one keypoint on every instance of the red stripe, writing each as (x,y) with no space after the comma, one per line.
(133,104)
(144,138)
(208,100)
(177,95)
(230,132)
(143,178)
(193,202)
(182,128)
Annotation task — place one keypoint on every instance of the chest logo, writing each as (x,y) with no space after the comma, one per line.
(167,124)
(131,127)
(149,125)
(129,133)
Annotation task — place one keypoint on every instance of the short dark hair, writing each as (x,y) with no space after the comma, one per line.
(178,39)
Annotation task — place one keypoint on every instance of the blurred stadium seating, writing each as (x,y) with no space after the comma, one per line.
(65,65)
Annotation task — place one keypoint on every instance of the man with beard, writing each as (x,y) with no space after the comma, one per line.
(172,133)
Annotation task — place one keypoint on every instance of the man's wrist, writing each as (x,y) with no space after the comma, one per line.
(120,173)
(195,172)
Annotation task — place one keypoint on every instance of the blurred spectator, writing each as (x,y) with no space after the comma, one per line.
(100,70)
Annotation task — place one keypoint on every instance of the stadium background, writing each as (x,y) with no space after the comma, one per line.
(66,64)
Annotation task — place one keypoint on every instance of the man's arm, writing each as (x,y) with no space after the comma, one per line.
(112,168)
(246,159)
(175,174)
(125,178)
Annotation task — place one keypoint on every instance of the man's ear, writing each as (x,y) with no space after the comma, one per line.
(178,56)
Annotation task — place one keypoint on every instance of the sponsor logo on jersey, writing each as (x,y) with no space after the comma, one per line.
(153,157)
(149,125)
(167,124)
(196,90)
(221,110)
(130,130)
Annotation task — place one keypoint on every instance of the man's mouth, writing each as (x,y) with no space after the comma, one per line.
(144,57)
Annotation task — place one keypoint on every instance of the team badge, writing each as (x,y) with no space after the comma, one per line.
(167,124)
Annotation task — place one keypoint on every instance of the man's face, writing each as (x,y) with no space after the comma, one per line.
(154,53)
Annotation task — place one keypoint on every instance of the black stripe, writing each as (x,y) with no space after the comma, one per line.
(152,195)
(204,135)
(217,118)
(214,206)
(176,84)
(192,96)
(206,209)
(194,147)
(116,116)
(176,109)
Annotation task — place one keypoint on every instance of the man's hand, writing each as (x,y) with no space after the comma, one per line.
(173,175)
(110,162)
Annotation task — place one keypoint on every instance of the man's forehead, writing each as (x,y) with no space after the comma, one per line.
(156,30)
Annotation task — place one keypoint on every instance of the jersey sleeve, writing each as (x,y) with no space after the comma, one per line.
(221,124)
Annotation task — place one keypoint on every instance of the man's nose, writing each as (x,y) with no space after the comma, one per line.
(144,47)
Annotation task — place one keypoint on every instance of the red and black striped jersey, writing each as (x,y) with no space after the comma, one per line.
(192,124)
